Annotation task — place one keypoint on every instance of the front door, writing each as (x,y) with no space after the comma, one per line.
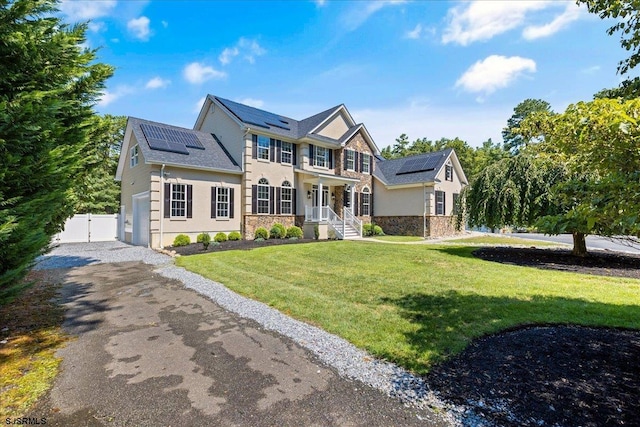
(325,196)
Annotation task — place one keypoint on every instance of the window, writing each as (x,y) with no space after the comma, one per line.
(366,162)
(366,203)
(134,156)
(456,200)
(263,147)
(222,203)
(322,157)
(287,152)
(178,200)
(286,199)
(350,160)
(439,202)
(263,196)
(448,173)
(347,196)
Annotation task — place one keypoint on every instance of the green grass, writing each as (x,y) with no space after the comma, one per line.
(401,239)
(504,240)
(415,304)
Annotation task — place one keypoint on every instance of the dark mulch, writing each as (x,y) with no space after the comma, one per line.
(546,375)
(198,248)
(600,263)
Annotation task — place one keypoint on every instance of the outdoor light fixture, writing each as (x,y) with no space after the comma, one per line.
(309,195)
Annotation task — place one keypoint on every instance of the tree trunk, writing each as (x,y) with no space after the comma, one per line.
(579,244)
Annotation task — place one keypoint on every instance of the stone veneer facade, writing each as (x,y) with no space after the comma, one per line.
(357,143)
(253,222)
(436,226)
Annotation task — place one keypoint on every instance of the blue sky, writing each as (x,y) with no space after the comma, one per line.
(425,68)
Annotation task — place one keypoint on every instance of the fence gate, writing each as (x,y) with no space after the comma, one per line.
(84,228)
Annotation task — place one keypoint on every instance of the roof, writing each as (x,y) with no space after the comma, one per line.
(212,156)
(399,171)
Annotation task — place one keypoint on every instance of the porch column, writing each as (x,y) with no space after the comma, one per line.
(319,200)
(353,195)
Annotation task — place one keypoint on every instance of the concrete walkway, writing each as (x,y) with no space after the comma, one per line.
(150,352)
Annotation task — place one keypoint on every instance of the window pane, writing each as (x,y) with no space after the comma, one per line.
(178,200)
(223,202)
(287,152)
(365,163)
(350,160)
(285,200)
(263,198)
(321,157)
(263,147)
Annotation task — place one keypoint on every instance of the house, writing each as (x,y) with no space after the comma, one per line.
(241,168)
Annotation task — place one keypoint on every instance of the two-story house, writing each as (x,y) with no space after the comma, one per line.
(241,168)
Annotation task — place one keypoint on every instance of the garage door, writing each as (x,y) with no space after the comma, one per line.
(141,207)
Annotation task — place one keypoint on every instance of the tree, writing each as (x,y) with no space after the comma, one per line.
(628,89)
(513,139)
(48,85)
(98,192)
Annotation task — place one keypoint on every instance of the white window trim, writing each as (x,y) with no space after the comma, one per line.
(263,199)
(134,156)
(219,203)
(366,166)
(289,200)
(263,149)
(290,152)
(366,191)
(443,203)
(173,199)
(325,158)
(353,161)
(448,176)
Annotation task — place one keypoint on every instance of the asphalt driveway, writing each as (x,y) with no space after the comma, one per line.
(151,352)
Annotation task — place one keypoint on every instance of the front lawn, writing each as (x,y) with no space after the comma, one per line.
(415,304)
(400,239)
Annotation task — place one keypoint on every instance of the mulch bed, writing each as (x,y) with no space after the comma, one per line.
(198,248)
(549,374)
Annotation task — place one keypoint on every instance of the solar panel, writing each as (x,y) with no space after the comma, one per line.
(171,140)
(254,116)
(422,164)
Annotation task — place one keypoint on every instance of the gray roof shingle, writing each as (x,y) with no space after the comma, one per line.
(387,170)
(214,156)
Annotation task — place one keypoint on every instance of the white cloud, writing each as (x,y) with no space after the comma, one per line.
(362,11)
(494,72)
(570,14)
(415,33)
(320,3)
(110,97)
(590,70)
(97,26)
(198,105)
(249,49)
(157,83)
(80,10)
(196,73)
(139,28)
(482,20)
(422,120)
(165,24)
(251,102)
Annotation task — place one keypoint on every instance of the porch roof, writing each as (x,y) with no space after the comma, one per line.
(313,177)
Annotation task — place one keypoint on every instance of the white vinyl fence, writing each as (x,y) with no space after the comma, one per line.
(89,228)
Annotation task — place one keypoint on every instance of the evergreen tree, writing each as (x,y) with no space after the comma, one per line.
(48,85)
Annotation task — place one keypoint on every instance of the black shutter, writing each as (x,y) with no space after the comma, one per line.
(254,199)
(272,150)
(231,204)
(356,207)
(254,147)
(167,200)
(189,201)
(278,199)
(294,154)
(278,151)
(371,163)
(271,199)
(361,162)
(371,204)
(356,164)
(344,161)
(345,194)
(214,198)
(330,159)
(311,154)
(293,201)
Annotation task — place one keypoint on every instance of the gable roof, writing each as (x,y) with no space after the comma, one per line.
(408,170)
(213,156)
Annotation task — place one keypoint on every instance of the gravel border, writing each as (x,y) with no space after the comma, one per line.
(336,352)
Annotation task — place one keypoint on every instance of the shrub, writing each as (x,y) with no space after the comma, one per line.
(261,233)
(220,237)
(204,238)
(181,240)
(235,235)
(294,232)
(367,229)
(316,231)
(377,231)
(278,231)
(258,239)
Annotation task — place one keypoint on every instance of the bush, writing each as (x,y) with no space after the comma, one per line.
(220,237)
(367,229)
(377,231)
(278,231)
(258,239)
(294,232)
(316,231)
(181,240)
(204,238)
(235,235)
(261,233)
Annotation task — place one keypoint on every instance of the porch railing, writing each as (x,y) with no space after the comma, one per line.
(352,220)
(325,214)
